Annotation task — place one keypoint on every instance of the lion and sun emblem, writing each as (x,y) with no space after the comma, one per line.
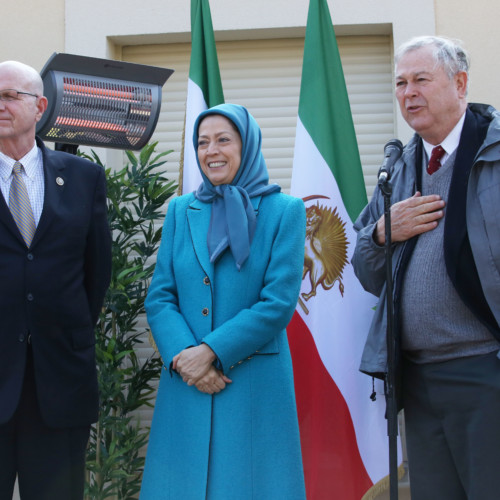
(325,249)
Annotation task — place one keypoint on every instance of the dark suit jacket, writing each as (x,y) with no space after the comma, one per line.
(51,293)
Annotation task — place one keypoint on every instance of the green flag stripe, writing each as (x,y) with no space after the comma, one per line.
(324,107)
(204,67)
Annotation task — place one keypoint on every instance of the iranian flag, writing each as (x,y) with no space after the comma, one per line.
(204,86)
(343,432)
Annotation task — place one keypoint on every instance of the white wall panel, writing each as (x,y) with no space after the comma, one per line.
(264,76)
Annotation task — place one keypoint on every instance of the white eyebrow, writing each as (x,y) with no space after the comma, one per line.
(416,73)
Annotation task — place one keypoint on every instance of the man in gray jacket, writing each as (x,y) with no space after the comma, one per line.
(446,269)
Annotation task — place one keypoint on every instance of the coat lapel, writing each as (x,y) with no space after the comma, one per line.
(7,219)
(55,181)
(198,215)
(455,230)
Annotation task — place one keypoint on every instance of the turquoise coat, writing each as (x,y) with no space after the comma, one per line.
(242,443)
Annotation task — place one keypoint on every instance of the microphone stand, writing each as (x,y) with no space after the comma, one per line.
(390,381)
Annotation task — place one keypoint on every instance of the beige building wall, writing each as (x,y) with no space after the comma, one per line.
(476,24)
(99,28)
(32,31)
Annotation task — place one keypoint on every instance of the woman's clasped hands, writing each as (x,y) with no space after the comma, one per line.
(195,366)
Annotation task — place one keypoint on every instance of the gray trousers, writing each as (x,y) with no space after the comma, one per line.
(452,417)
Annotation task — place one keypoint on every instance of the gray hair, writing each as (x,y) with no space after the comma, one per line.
(447,53)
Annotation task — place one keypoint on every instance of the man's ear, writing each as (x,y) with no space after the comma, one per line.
(41,107)
(461,80)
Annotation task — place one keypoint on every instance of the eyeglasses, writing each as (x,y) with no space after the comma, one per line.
(10,95)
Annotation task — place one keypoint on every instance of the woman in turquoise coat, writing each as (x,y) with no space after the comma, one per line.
(225,287)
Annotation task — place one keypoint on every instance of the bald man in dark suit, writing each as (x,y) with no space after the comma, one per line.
(55,266)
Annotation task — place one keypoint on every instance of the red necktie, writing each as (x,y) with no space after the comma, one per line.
(435,162)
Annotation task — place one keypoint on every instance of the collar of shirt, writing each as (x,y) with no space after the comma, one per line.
(30,161)
(450,143)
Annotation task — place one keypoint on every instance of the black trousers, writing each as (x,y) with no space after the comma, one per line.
(452,417)
(49,462)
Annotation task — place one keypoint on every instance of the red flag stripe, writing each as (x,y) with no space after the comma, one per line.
(333,467)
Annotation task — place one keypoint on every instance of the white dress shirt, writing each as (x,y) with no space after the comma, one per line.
(450,143)
(32,174)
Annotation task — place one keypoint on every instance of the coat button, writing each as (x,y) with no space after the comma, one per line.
(29,256)
(206,280)
(21,337)
(205,311)
(29,296)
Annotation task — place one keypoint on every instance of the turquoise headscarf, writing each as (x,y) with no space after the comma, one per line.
(233,220)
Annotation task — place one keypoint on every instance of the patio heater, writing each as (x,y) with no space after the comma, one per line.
(100,102)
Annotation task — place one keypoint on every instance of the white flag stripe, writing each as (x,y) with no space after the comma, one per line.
(191,177)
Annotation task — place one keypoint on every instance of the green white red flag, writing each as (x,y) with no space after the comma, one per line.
(343,432)
(204,86)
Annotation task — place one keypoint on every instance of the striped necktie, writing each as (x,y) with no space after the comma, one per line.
(20,206)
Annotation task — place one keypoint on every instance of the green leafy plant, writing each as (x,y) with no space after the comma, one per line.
(136,206)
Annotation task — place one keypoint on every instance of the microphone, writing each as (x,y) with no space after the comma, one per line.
(392,152)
